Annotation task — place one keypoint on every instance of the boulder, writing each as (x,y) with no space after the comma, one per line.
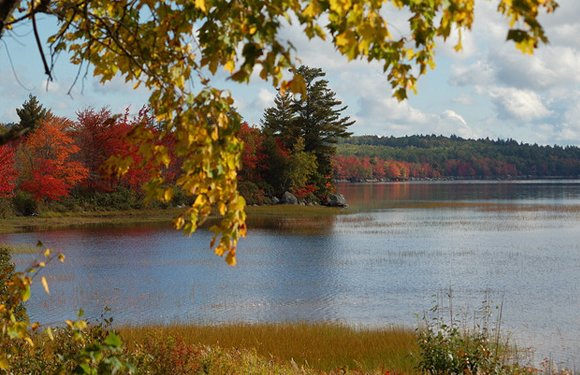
(336,200)
(275,200)
(289,198)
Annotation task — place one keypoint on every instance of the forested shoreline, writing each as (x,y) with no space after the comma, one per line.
(374,158)
(301,147)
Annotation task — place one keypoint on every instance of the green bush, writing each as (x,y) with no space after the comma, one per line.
(76,348)
(24,204)
(6,274)
(452,347)
(252,193)
(81,201)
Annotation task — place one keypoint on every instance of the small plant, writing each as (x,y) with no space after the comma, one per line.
(448,347)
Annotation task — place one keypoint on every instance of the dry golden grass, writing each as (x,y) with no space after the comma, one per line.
(320,346)
(20,248)
(52,220)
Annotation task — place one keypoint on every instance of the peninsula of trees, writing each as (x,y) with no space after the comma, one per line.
(67,163)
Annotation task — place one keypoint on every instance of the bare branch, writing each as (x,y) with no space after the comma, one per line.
(39,44)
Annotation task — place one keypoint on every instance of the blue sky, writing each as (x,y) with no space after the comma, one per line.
(488,90)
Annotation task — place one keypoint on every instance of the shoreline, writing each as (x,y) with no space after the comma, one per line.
(65,220)
(523,179)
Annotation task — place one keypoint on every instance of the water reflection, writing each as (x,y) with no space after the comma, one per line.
(384,195)
(309,225)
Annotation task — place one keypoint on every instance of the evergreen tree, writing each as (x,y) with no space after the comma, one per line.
(315,117)
(320,118)
(280,120)
(31,114)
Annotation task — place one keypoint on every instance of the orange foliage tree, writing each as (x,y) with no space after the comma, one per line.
(45,158)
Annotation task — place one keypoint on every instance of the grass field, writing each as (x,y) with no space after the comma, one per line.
(319,346)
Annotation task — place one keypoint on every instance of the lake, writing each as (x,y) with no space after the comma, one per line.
(400,251)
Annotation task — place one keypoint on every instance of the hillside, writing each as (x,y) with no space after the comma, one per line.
(430,156)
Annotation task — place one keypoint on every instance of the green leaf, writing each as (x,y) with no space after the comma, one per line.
(113,340)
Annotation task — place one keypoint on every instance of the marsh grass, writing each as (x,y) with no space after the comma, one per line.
(320,346)
(55,220)
(20,248)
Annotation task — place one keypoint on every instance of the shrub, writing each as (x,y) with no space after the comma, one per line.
(24,204)
(446,347)
(252,193)
(6,274)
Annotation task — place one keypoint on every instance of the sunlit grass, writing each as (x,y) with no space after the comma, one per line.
(321,346)
(20,248)
(54,220)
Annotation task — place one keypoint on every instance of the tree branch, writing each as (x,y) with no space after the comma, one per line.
(39,44)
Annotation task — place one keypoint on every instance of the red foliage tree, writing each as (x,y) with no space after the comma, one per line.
(46,157)
(96,133)
(253,155)
(8,172)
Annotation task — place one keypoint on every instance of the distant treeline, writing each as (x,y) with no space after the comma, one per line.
(429,156)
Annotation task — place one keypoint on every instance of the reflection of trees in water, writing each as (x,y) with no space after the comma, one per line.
(385,195)
(311,225)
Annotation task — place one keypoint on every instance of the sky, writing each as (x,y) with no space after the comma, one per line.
(490,89)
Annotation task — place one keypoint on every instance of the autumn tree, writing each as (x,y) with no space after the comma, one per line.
(253,157)
(276,161)
(8,172)
(45,161)
(96,134)
(175,48)
(301,169)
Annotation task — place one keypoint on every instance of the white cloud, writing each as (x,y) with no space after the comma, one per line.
(480,72)
(266,98)
(463,99)
(451,114)
(518,104)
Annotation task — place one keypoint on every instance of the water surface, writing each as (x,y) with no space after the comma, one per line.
(516,242)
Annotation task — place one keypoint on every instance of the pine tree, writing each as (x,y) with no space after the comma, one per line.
(315,117)
(280,120)
(319,114)
(31,114)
